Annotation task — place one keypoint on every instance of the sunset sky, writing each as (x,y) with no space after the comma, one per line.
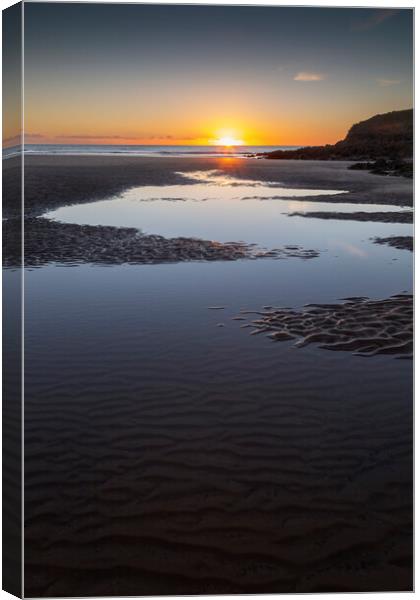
(116,74)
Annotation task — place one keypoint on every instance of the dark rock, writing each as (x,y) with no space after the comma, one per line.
(388,136)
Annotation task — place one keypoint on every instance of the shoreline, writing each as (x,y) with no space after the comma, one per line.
(54,181)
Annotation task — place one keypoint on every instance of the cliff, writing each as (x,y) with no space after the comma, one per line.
(388,136)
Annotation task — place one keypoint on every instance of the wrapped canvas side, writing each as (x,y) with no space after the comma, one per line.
(12,299)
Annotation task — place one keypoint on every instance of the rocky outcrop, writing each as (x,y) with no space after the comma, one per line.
(387,136)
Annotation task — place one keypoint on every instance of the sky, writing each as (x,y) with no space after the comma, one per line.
(167,74)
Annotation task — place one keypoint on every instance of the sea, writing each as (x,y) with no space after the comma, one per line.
(142,150)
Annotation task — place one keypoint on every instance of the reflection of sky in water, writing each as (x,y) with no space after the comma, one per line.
(137,334)
(131,352)
(134,326)
(123,331)
(214,208)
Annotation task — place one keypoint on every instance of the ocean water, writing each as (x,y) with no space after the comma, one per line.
(143,150)
(170,452)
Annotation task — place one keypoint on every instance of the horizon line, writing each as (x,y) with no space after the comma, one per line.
(174,145)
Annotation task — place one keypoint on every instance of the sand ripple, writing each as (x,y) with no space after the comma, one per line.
(404,216)
(402,242)
(48,241)
(362,326)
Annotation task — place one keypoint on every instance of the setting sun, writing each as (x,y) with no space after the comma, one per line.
(228,141)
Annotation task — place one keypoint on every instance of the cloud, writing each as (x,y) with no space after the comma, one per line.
(374,19)
(34,136)
(305,76)
(387,82)
(18,138)
(140,136)
(145,138)
(12,140)
(82,136)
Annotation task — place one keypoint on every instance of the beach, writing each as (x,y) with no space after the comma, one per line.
(54,181)
(166,450)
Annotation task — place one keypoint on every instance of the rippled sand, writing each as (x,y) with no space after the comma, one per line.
(404,216)
(402,242)
(53,242)
(359,325)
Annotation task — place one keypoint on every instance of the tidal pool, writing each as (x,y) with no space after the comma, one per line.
(213,205)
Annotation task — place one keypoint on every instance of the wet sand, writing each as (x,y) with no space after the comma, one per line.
(53,242)
(402,242)
(405,216)
(359,325)
(54,181)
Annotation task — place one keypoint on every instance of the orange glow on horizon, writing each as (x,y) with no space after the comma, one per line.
(312,138)
(227,141)
(199,123)
(190,130)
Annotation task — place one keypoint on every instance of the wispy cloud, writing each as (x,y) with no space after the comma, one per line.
(82,136)
(14,139)
(18,138)
(387,82)
(374,19)
(306,76)
(139,136)
(34,136)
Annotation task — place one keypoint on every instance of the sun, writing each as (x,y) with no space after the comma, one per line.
(228,141)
